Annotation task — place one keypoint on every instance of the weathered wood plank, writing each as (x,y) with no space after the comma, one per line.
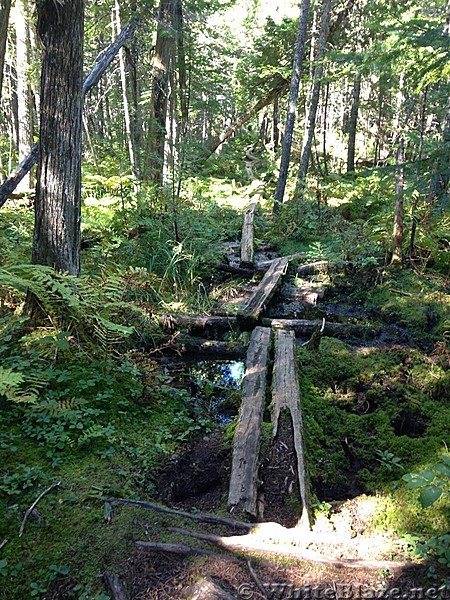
(244,469)
(286,396)
(247,238)
(252,307)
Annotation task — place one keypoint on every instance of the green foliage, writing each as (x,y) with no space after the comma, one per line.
(433,482)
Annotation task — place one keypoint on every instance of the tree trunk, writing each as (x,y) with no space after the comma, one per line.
(353,122)
(24,102)
(162,63)
(126,109)
(314,96)
(422,116)
(5,7)
(397,252)
(293,96)
(58,192)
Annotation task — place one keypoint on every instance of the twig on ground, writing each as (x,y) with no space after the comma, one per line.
(256,579)
(33,506)
(3,544)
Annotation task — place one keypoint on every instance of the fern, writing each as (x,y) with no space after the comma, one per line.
(12,386)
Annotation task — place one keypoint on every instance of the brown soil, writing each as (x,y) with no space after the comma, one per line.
(197,480)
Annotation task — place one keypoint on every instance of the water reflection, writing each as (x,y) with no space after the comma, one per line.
(215,388)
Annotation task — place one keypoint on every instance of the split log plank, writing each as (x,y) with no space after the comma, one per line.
(244,469)
(286,395)
(207,589)
(114,586)
(251,543)
(247,238)
(252,307)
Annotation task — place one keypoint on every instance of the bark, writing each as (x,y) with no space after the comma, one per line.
(325,125)
(214,142)
(57,233)
(5,8)
(397,252)
(353,123)
(126,109)
(247,238)
(162,63)
(293,96)
(314,96)
(24,101)
(92,79)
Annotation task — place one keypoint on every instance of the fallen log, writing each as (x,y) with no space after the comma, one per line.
(251,543)
(286,396)
(200,517)
(169,322)
(182,550)
(244,470)
(304,327)
(247,238)
(114,586)
(314,267)
(251,309)
(309,294)
(207,589)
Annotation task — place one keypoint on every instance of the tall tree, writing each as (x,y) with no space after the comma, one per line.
(5,7)
(24,96)
(58,192)
(292,103)
(397,252)
(353,122)
(314,95)
(163,62)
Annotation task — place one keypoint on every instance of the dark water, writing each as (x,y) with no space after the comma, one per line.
(215,388)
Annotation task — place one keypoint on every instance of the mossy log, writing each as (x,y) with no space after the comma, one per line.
(244,469)
(311,268)
(251,309)
(286,396)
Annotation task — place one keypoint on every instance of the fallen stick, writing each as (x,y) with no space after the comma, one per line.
(182,550)
(114,586)
(256,579)
(33,506)
(200,517)
(3,544)
(250,543)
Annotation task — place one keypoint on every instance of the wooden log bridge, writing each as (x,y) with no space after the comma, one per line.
(286,397)
(251,309)
(248,236)
(244,470)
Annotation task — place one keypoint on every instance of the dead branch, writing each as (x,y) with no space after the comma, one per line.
(200,517)
(33,506)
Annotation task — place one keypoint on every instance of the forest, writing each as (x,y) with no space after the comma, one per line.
(224,299)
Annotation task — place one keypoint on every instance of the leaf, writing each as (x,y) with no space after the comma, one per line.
(429,495)
(416,481)
(428,475)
